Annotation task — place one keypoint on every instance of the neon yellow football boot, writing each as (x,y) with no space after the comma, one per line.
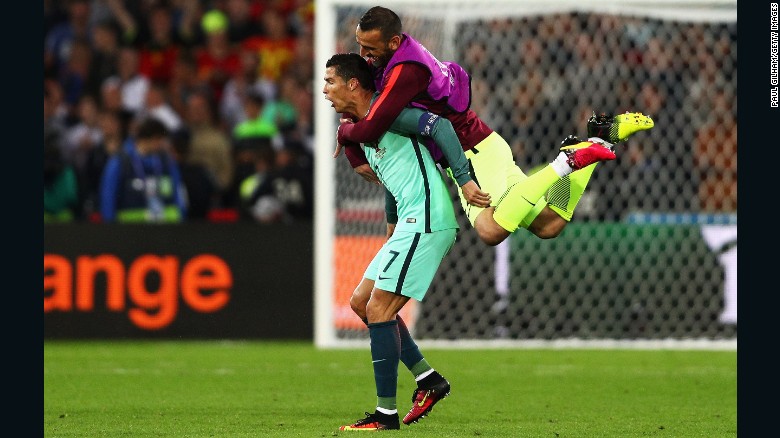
(615,129)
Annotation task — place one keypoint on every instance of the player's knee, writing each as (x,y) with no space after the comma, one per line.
(378,312)
(488,229)
(383,306)
(546,232)
(489,238)
(358,304)
(549,229)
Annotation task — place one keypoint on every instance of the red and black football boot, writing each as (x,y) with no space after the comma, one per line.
(585,153)
(423,400)
(375,421)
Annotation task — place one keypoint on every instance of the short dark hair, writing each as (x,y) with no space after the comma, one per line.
(151,127)
(352,65)
(381,18)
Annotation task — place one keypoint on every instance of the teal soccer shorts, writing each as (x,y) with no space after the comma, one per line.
(407,262)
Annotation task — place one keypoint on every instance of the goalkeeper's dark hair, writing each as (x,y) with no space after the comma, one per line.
(352,65)
(381,18)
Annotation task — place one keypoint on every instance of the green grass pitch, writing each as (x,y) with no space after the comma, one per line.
(277,389)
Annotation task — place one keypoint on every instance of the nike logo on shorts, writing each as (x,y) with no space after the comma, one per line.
(384,278)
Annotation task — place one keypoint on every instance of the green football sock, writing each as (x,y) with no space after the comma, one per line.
(410,353)
(565,194)
(520,199)
(420,367)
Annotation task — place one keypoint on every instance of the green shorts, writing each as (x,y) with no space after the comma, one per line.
(494,170)
(407,262)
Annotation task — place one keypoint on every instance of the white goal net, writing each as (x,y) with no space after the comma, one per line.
(650,256)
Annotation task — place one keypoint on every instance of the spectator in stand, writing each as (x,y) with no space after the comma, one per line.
(290,183)
(59,41)
(105,56)
(55,111)
(282,110)
(53,15)
(158,54)
(265,210)
(186,24)
(255,124)
(209,145)
(247,138)
(246,152)
(127,24)
(113,132)
(185,82)
(276,47)
(73,76)
(231,105)
(715,155)
(201,193)
(111,100)
(217,60)
(158,106)
(579,75)
(132,84)
(304,121)
(142,183)
(243,23)
(301,19)
(60,188)
(84,135)
(302,56)
(102,58)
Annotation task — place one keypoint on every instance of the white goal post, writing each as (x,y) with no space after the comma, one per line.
(336,210)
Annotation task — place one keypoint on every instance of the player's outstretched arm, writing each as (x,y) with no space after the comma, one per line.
(403,84)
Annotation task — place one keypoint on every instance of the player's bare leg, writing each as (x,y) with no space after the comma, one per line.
(547,224)
(360,297)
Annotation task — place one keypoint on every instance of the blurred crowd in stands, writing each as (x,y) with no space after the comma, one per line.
(178,110)
(681,73)
(231,83)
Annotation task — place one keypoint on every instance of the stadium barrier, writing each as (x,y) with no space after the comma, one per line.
(617,281)
(199,281)
(614,281)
